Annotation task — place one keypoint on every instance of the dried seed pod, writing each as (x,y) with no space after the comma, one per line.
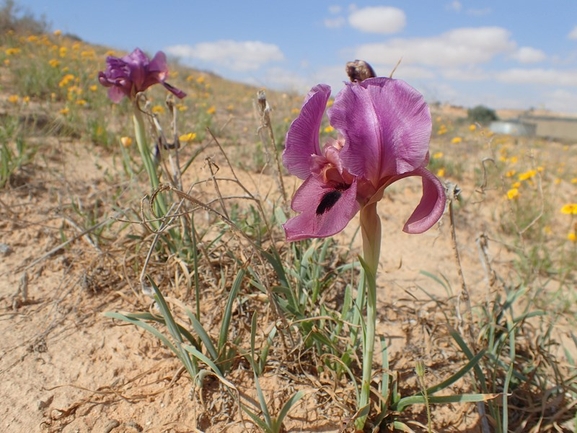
(359,70)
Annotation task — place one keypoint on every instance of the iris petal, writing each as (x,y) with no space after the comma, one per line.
(386,125)
(432,204)
(302,139)
(324,210)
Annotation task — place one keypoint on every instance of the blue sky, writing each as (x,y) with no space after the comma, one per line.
(500,53)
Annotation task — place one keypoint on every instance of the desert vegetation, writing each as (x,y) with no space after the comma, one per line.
(148,285)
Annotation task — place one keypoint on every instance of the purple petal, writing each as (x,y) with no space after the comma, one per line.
(432,204)
(137,63)
(156,71)
(386,124)
(325,210)
(302,138)
(158,65)
(176,92)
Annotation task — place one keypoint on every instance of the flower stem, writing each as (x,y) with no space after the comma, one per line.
(139,131)
(371,233)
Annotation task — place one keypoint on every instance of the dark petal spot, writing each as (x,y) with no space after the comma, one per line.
(328,201)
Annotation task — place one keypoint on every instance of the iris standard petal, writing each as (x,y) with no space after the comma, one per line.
(302,138)
(386,124)
(137,63)
(324,210)
(432,204)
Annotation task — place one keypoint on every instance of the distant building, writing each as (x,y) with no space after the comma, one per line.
(513,127)
(557,128)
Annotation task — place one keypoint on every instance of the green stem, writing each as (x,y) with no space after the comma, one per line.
(149,166)
(371,233)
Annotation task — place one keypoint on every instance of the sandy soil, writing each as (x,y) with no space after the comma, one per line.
(65,367)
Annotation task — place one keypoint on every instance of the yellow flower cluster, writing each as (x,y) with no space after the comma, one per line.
(66,80)
(513,194)
(527,175)
(569,209)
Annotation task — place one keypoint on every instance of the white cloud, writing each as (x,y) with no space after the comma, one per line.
(280,78)
(235,55)
(573,33)
(335,9)
(529,55)
(538,76)
(455,6)
(561,100)
(334,23)
(465,74)
(464,46)
(378,19)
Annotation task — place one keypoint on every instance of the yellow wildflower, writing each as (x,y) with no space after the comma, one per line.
(456,140)
(510,173)
(54,63)
(88,54)
(93,88)
(211,110)
(328,129)
(32,38)
(64,111)
(13,99)
(513,193)
(572,237)
(200,79)
(185,138)
(516,185)
(441,172)
(181,107)
(437,155)
(557,181)
(527,175)
(158,109)
(57,32)
(472,127)
(65,80)
(62,51)
(126,141)
(574,180)
(81,102)
(295,110)
(190,78)
(569,209)
(330,102)
(26,99)
(12,51)
(513,160)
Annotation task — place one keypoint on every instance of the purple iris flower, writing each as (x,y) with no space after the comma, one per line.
(384,127)
(135,73)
